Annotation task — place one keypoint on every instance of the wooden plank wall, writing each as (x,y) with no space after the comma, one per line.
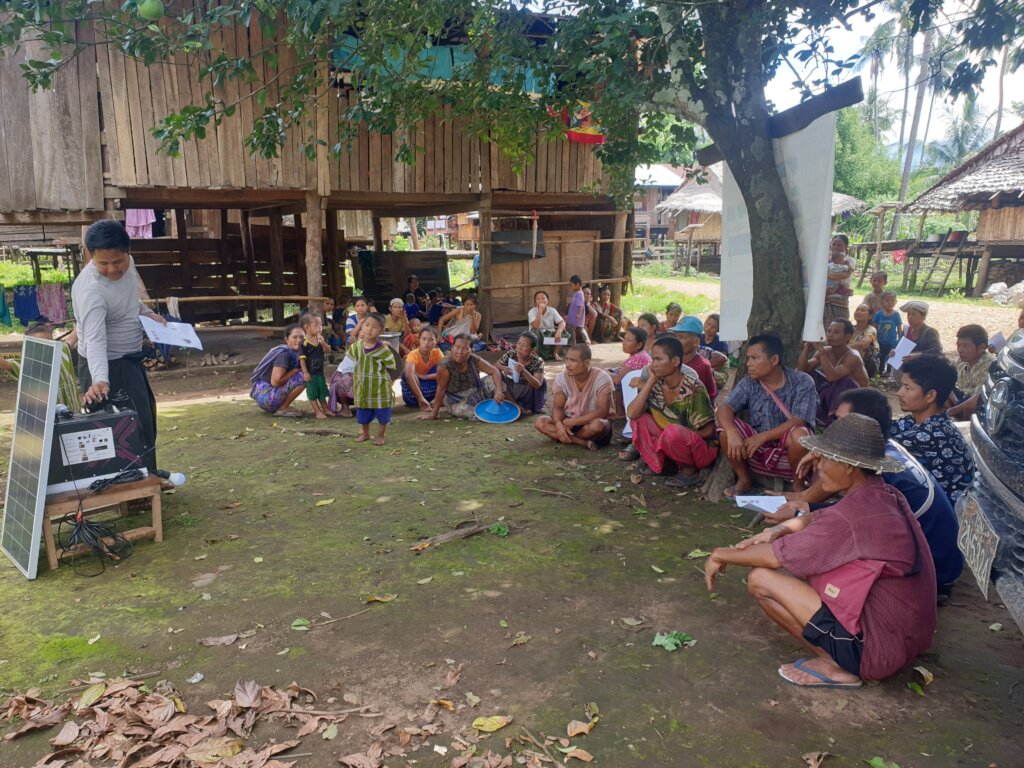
(50,140)
(134,98)
(1005,224)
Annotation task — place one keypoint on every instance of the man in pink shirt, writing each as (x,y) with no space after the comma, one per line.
(855,581)
(583,401)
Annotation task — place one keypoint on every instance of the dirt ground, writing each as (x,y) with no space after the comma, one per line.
(276,524)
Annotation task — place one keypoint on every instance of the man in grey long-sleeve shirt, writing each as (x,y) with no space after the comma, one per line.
(107,305)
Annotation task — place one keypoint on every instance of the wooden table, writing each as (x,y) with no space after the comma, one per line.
(60,504)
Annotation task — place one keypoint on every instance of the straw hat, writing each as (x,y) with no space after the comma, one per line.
(856,440)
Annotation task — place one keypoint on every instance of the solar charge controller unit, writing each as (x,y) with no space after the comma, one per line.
(93,446)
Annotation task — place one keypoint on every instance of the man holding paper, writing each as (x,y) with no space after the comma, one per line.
(107,307)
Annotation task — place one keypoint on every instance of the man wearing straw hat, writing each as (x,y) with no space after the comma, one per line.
(858,587)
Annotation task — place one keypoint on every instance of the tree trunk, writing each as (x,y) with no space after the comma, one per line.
(314,250)
(1002,83)
(927,125)
(922,85)
(875,68)
(908,56)
(737,121)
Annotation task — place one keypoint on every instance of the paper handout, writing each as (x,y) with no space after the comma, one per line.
(768,504)
(628,396)
(174,334)
(904,348)
(997,342)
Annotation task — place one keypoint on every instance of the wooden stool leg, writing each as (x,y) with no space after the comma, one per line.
(158,518)
(50,543)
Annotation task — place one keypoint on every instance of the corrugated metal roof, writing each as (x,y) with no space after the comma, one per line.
(999,167)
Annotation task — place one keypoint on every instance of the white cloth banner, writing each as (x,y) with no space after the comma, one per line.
(806,162)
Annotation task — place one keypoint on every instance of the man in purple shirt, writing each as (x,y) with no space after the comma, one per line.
(576,317)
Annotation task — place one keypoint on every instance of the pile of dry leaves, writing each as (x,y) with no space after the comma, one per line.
(126,724)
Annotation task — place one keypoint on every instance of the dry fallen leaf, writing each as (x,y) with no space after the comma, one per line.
(580,754)
(928,676)
(91,695)
(324,502)
(815,759)
(380,598)
(212,751)
(67,735)
(491,724)
(579,728)
(446,703)
(247,693)
(211,642)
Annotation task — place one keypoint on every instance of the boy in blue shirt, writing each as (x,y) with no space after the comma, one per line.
(890,328)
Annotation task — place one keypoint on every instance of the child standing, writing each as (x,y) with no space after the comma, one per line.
(311,360)
(874,299)
(890,328)
(576,317)
(373,360)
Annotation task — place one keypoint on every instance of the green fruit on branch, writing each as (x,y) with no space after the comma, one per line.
(151,10)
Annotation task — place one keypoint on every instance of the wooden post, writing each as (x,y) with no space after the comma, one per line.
(378,234)
(619,254)
(225,264)
(333,255)
(250,264)
(186,261)
(277,263)
(982,284)
(485,269)
(414,236)
(314,249)
(689,253)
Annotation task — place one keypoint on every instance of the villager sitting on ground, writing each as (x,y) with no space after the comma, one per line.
(834,367)
(419,379)
(373,362)
(672,419)
(459,386)
(710,336)
(334,325)
(672,314)
(926,499)
(591,310)
(526,384)
(854,581)
(926,430)
(354,323)
(688,331)
(971,370)
(637,358)
(546,323)
(412,338)
(312,357)
(582,403)
(865,339)
(277,379)
(925,337)
(649,323)
(461,321)
(608,326)
(413,310)
(397,321)
(781,405)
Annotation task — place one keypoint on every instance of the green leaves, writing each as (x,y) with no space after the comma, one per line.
(673,641)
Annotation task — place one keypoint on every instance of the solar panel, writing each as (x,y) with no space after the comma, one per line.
(30,453)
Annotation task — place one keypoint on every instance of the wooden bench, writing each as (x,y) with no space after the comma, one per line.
(66,503)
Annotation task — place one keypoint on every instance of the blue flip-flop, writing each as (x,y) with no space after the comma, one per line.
(826,682)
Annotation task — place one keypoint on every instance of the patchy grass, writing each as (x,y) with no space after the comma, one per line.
(247,547)
(650,297)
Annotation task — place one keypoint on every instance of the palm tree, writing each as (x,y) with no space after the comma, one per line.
(947,53)
(968,132)
(876,110)
(922,84)
(877,49)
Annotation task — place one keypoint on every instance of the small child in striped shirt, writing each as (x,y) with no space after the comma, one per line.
(372,393)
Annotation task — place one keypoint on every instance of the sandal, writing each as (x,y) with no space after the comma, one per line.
(629,454)
(683,481)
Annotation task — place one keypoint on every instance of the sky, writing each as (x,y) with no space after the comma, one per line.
(782,93)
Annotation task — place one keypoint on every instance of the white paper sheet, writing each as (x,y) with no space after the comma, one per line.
(514,369)
(347,365)
(760,503)
(175,334)
(551,341)
(998,341)
(628,396)
(904,348)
